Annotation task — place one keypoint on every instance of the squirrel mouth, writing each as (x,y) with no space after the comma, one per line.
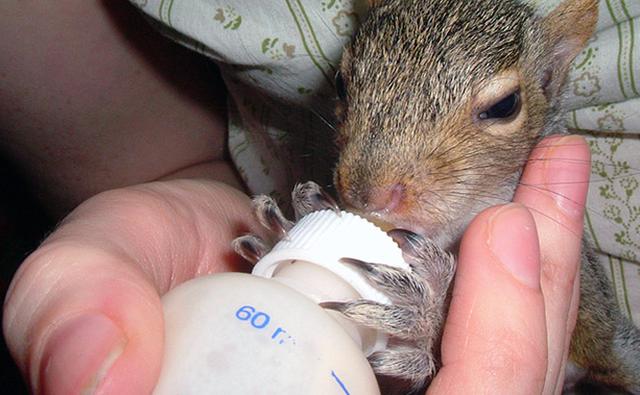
(381,223)
(387,222)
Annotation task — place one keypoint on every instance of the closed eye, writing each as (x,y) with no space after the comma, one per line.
(507,107)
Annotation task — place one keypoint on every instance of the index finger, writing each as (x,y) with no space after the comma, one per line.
(554,188)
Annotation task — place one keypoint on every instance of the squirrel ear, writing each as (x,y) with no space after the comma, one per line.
(569,26)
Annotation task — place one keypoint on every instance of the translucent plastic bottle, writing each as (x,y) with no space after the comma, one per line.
(264,333)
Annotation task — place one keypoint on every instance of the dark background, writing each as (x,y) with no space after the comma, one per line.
(23,224)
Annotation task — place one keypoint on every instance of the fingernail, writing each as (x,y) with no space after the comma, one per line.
(79,353)
(566,175)
(513,239)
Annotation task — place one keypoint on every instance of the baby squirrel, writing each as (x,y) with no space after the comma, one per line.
(441,104)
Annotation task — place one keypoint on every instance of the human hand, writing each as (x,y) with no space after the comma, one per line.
(83,312)
(119,251)
(516,291)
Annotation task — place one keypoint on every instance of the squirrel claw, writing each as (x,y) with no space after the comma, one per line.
(358,264)
(250,247)
(426,259)
(403,236)
(309,197)
(270,216)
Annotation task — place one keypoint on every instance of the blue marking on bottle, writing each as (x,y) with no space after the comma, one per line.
(340,383)
(261,320)
(277,332)
(265,320)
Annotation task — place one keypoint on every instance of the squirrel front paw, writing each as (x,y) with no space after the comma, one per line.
(419,296)
(415,318)
(306,198)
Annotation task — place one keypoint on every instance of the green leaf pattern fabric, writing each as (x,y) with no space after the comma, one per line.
(604,96)
(279,59)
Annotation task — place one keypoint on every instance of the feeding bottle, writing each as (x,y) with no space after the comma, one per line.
(264,333)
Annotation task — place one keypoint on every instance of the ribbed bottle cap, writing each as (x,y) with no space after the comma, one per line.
(325,237)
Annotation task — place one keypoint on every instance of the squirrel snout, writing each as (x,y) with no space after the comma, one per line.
(378,200)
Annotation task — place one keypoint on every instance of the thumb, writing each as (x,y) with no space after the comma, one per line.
(79,320)
(495,339)
(83,314)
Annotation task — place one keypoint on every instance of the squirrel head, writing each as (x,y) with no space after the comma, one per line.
(442,102)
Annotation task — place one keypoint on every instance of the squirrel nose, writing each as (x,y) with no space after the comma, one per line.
(386,199)
(379,199)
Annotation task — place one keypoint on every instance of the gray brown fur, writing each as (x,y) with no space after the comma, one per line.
(410,76)
(409,72)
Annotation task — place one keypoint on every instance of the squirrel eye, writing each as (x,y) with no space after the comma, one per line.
(341,90)
(505,108)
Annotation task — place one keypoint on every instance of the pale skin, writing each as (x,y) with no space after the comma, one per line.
(84,310)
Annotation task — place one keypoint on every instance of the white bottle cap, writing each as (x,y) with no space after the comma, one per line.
(324,238)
